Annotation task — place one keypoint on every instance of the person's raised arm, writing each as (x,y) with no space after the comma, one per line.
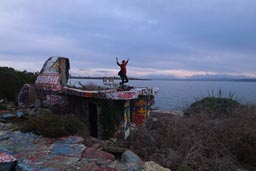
(117,61)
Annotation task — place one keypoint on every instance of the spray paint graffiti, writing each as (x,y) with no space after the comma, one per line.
(51,66)
(48,79)
(52,91)
(23,97)
(127,121)
(139,111)
(4,157)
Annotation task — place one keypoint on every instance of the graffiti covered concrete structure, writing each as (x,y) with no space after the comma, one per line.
(109,112)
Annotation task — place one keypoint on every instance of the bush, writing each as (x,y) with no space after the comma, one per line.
(215,106)
(12,81)
(54,126)
(202,143)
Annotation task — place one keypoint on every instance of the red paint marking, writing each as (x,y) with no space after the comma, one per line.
(4,157)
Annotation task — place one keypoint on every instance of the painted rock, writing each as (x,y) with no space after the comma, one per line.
(72,150)
(7,162)
(92,153)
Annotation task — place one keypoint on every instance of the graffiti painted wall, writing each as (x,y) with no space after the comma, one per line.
(127,120)
(51,80)
(140,110)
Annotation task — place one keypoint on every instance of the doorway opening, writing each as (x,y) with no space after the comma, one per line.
(93,119)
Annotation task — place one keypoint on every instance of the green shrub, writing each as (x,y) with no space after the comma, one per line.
(54,126)
(215,106)
(12,81)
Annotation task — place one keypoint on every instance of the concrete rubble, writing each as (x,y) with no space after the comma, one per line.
(29,152)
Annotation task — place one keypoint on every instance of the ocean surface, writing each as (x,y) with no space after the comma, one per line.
(179,94)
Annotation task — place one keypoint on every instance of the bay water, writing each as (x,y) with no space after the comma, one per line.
(179,94)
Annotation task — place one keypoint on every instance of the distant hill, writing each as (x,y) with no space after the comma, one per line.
(206,77)
(220,76)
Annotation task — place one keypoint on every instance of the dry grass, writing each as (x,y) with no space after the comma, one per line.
(201,142)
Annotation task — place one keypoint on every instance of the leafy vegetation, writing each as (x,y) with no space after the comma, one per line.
(222,136)
(12,81)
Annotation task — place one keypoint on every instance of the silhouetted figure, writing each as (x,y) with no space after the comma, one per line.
(122,72)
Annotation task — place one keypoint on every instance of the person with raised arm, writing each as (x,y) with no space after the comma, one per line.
(122,73)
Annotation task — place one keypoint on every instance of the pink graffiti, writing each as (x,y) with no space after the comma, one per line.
(6,158)
(126,95)
(47,79)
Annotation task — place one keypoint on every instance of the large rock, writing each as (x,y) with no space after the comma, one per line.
(130,157)
(132,160)
(152,166)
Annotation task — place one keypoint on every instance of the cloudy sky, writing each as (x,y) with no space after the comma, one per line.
(177,38)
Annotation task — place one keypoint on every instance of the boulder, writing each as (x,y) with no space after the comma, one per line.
(152,166)
(130,157)
(132,160)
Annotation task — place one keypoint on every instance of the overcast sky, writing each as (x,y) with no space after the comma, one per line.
(179,38)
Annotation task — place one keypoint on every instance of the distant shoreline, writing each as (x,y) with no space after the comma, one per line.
(174,79)
(100,78)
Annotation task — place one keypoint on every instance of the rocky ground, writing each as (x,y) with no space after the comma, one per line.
(29,152)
